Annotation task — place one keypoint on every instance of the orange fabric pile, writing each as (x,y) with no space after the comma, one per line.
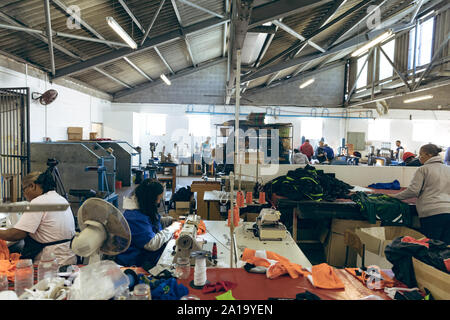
(367,281)
(8,261)
(201,229)
(321,276)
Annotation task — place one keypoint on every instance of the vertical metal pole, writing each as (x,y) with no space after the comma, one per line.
(231,219)
(49,34)
(374,70)
(237,110)
(414,53)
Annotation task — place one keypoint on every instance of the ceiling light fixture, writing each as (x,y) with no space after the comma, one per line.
(118,29)
(372,43)
(426,97)
(165,79)
(306,83)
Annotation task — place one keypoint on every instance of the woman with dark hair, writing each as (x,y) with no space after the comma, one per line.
(43,232)
(148,238)
(431,186)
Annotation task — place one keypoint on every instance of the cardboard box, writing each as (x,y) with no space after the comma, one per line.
(335,246)
(435,280)
(75,133)
(375,240)
(251,217)
(200,187)
(177,214)
(182,205)
(92,135)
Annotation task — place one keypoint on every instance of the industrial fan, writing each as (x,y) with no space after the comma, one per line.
(104,230)
(45,98)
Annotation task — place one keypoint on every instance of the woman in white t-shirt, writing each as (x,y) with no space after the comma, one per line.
(43,232)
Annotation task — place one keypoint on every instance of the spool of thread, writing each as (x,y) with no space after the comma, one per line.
(200,272)
(235,216)
(262,197)
(240,199)
(249,198)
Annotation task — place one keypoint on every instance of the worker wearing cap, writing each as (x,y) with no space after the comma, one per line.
(43,232)
(431,186)
(410,160)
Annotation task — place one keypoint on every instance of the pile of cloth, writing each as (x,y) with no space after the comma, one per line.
(401,250)
(389,210)
(201,229)
(8,261)
(274,265)
(164,287)
(308,184)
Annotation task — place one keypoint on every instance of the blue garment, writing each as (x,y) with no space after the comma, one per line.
(168,289)
(329,152)
(142,231)
(395,185)
(447,157)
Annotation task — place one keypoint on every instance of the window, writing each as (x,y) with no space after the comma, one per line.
(424,43)
(379,130)
(200,126)
(386,70)
(362,80)
(312,128)
(156,124)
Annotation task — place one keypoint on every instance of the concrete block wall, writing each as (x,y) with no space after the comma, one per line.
(203,87)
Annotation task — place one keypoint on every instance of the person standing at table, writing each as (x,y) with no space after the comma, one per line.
(307,149)
(206,155)
(397,152)
(431,186)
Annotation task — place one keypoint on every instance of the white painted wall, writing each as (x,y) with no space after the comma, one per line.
(72,108)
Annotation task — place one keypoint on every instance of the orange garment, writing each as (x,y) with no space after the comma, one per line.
(8,261)
(324,277)
(364,277)
(276,265)
(201,229)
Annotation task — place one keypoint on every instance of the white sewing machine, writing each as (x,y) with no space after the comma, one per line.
(186,242)
(269,226)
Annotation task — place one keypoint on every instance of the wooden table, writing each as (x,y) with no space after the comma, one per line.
(173,178)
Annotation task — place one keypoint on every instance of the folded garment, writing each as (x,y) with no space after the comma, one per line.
(219,286)
(395,185)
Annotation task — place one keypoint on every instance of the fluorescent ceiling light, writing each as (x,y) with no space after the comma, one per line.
(306,83)
(426,97)
(164,78)
(372,43)
(118,29)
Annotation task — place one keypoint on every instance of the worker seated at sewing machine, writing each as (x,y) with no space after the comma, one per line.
(149,237)
(268,225)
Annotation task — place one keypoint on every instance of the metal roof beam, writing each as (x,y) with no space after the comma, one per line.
(279,9)
(148,44)
(164,60)
(112,78)
(201,8)
(48,22)
(297,35)
(189,49)
(132,16)
(179,74)
(161,4)
(137,68)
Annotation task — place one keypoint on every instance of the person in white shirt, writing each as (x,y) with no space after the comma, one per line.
(300,158)
(43,232)
(206,155)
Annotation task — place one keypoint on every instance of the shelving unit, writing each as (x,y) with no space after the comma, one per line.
(286,140)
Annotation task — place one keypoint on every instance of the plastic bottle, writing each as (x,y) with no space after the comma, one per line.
(24,277)
(142,292)
(47,267)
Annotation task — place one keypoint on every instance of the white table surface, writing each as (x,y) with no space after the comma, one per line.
(219,232)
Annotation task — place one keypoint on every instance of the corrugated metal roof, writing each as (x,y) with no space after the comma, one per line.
(149,62)
(207,44)
(176,54)
(190,15)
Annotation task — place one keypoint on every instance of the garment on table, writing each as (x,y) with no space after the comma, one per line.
(308,184)
(395,185)
(50,226)
(273,264)
(382,207)
(380,282)
(167,289)
(323,276)
(142,231)
(431,186)
(8,261)
(201,229)
(405,294)
(226,296)
(219,286)
(401,250)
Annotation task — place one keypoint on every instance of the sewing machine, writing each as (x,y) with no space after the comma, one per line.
(269,225)
(186,242)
